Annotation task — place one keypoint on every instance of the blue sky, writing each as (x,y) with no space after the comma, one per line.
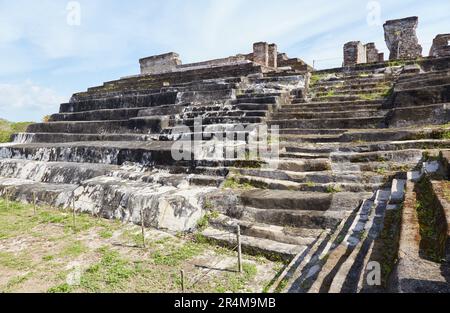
(44,58)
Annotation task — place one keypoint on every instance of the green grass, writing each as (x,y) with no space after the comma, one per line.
(172,255)
(8,128)
(108,274)
(396,63)
(315,78)
(233,183)
(333,189)
(329,94)
(236,283)
(113,268)
(74,249)
(16,262)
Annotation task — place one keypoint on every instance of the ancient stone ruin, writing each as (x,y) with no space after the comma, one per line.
(401,38)
(441,46)
(322,169)
(357,53)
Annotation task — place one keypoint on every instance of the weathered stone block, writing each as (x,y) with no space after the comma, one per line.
(157,64)
(371,53)
(401,38)
(354,53)
(273,55)
(441,46)
(261,53)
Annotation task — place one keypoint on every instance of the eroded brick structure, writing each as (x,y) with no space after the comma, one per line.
(162,63)
(372,55)
(441,46)
(263,54)
(357,53)
(354,53)
(401,38)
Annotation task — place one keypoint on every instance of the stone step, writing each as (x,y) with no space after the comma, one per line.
(230,107)
(224,119)
(349,91)
(252,245)
(22,138)
(301,155)
(302,104)
(327,108)
(353,80)
(113,197)
(275,184)
(120,102)
(441,190)
(400,156)
(256,93)
(260,100)
(206,96)
(352,270)
(97,115)
(327,114)
(296,200)
(325,220)
(299,131)
(382,167)
(347,97)
(340,175)
(23,190)
(53,172)
(300,276)
(332,263)
(336,123)
(310,138)
(393,134)
(115,153)
(358,147)
(138,125)
(288,235)
(348,87)
(295,165)
(224,113)
(413,272)
(205,180)
(364,136)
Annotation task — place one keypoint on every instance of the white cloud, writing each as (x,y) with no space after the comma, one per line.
(27,100)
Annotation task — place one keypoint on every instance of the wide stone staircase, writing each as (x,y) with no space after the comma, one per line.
(348,143)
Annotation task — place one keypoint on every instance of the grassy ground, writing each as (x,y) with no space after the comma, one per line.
(44,252)
(9,128)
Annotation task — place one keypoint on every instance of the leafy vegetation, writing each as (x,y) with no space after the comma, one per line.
(7,129)
(429,212)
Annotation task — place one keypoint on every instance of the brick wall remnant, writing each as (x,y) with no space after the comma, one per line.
(371,53)
(354,53)
(441,46)
(401,38)
(261,53)
(162,63)
(273,56)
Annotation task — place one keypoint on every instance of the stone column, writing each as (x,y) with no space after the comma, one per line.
(401,38)
(354,53)
(261,53)
(381,57)
(273,55)
(371,53)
